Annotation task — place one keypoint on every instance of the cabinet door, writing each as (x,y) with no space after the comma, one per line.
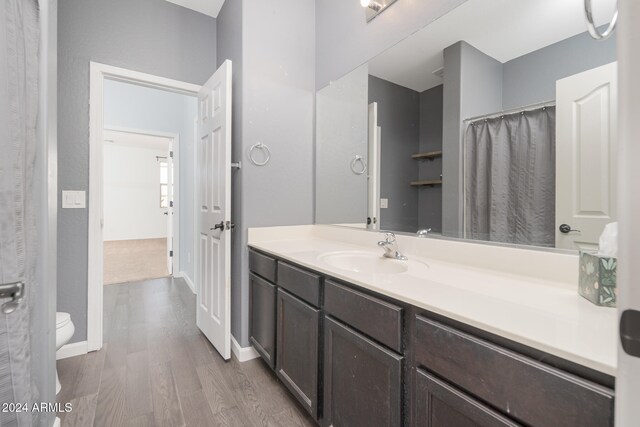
(262,318)
(362,380)
(297,362)
(440,405)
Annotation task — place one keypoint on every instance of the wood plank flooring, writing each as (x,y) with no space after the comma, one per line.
(157,369)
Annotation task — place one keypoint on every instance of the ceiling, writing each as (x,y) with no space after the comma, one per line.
(131,139)
(208,7)
(503,29)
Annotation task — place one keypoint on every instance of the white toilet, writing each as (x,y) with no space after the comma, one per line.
(64,332)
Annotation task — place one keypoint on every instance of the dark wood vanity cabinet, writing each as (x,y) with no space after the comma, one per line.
(355,358)
(262,303)
(298,363)
(362,380)
(262,318)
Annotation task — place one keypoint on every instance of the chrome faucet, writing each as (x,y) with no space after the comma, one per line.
(424,232)
(390,246)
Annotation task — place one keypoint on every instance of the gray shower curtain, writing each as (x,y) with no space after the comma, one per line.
(510,168)
(19,44)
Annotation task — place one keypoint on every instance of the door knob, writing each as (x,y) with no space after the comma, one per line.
(15,291)
(566,228)
(218,226)
(230,225)
(630,332)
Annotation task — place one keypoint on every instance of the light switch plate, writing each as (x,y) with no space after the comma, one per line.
(384,203)
(74,200)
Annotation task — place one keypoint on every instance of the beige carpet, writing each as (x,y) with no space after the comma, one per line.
(133,260)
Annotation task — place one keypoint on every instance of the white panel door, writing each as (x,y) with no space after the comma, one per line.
(373,177)
(213,314)
(586,156)
(169,208)
(628,376)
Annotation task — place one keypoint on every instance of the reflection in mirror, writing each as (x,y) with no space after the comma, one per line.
(483,125)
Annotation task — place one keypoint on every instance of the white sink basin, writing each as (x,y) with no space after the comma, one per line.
(364,262)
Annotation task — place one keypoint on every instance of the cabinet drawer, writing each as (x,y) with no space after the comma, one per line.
(529,391)
(301,283)
(262,318)
(377,318)
(262,265)
(438,404)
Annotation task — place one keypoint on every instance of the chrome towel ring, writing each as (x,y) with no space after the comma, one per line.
(592,27)
(354,165)
(265,150)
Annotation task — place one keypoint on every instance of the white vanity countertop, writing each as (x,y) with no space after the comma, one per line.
(536,312)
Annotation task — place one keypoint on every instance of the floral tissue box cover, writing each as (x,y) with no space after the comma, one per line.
(598,279)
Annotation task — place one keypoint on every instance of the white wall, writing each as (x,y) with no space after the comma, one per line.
(131,106)
(132,192)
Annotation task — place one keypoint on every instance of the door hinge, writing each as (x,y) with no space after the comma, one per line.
(171,254)
(171,204)
(171,154)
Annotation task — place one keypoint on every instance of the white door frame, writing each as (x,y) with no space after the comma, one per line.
(98,74)
(175,144)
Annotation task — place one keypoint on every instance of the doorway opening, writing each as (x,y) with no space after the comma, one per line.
(140,205)
(142,184)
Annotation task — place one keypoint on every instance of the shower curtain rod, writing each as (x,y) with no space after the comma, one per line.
(530,107)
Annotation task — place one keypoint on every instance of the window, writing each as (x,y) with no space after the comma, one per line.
(164,184)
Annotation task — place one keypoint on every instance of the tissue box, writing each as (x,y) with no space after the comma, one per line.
(598,279)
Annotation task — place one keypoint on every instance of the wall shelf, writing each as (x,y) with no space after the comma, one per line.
(428,155)
(428,182)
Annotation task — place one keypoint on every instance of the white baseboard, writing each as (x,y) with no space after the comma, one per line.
(243,353)
(187,279)
(71,350)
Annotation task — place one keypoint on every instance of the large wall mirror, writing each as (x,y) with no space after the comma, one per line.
(497,122)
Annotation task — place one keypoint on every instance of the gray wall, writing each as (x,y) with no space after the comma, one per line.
(472,86)
(532,78)
(430,198)
(342,120)
(399,119)
(345,40)
(152,36)
(276,108)
(137,107)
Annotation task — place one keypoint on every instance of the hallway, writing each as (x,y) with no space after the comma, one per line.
(157,369)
